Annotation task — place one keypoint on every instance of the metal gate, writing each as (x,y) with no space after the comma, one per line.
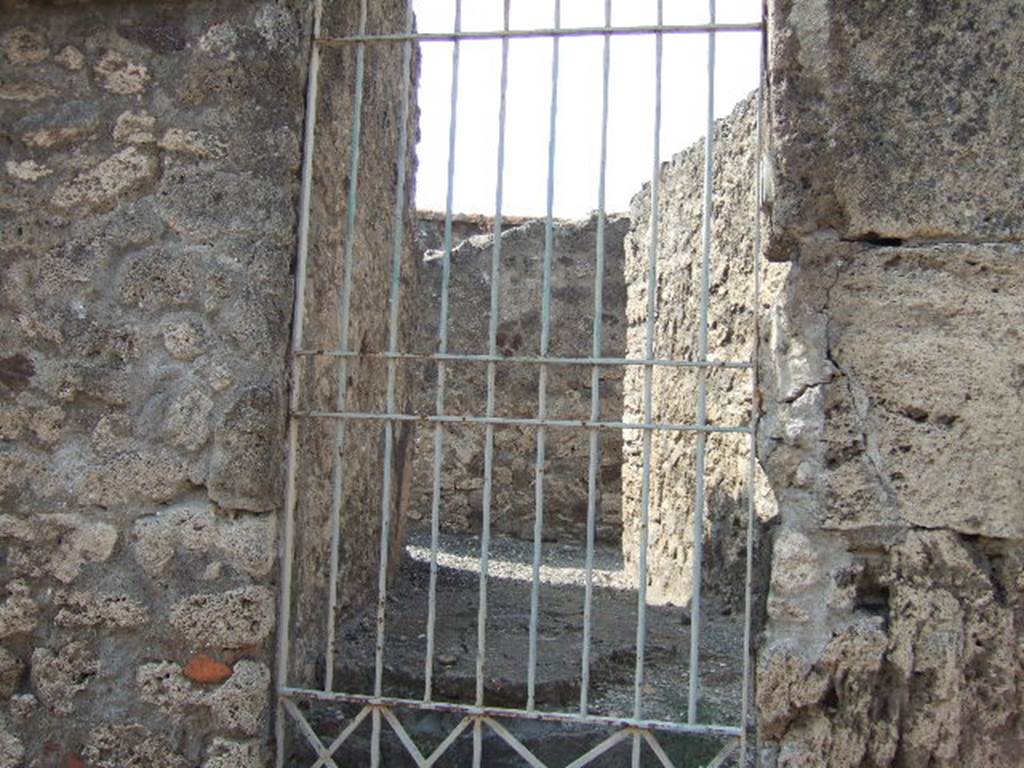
(375,710)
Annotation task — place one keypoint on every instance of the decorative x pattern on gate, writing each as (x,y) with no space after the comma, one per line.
(325,753)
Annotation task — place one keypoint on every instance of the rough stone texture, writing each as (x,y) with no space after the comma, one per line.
(225,753)
(245,445)
(226,620)
(674,390)
(246,543)
(58,676)
(516,384)
(121,746)
(10,673)
(148,197)
(148,190)
(57,545)
(19,613)
(856,88)
(892,388)
(888,378)
(238,704)
(11,749)
(363,451)
(86,609)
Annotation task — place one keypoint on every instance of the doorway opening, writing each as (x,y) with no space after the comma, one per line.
(550,420)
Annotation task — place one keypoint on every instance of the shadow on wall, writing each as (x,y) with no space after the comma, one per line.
(731,336)
(569,387)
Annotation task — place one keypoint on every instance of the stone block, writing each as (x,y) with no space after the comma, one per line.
(129,744)
(226,753)
(247,453)
(19,613)
(25,92)
(87,609)
(148,475)
(70,58)
(238,704)
(238,618)
(241,703)
(11,670)
(124,175)
(23,46)
(184,340)
(118,74)
(896,120)
(161,278)
(246,542)
(57,545)
(27,170)
(926,387)
(58,676)
(134,128)
(187,420)
(23,706)
(206,205)
(12,751)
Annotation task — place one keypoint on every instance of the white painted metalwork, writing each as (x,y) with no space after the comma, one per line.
(479,718)
(594,459)
(287,555)
(343,336)
(442,345)
(697,558)
(492,351)
(648,401)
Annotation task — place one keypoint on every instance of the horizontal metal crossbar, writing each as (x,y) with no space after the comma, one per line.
(476,717)
(472,710)
(508,421)
(531,359)
(507,34)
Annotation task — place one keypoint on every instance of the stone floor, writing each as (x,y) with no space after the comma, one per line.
(560,626)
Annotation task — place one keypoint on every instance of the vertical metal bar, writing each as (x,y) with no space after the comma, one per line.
(298,329)
(492,346)
(542,385)
(392,362)
(652,308)
(442,347)
(755,411)
(478,741)
(595,373)
(693,698)
(375,737)
(337,464)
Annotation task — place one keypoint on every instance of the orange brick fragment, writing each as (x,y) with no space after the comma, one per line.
(203,669)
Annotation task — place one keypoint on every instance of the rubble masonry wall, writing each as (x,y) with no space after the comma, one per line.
(516,385)
(893,387)
(148,200)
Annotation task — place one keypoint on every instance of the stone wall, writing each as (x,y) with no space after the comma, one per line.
(893,387)
(516,385)
(362,444)
(674,390)
(151,157)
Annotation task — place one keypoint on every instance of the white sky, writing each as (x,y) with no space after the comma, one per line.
(631,112)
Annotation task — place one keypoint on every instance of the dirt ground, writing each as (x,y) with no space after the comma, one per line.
(560,634)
